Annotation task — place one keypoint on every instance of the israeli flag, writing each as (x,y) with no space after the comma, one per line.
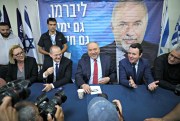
(164,43)
(28,38)
(20,27)
(175,38)
(5,17)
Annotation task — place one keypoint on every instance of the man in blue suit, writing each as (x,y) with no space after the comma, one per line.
(86,71)
(135,70)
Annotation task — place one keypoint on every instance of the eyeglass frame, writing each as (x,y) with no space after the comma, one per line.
(18,54)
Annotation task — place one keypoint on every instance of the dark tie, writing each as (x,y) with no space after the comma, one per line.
(134,71)
(57,71)
(95,76)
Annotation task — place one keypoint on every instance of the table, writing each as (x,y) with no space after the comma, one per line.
(137,104)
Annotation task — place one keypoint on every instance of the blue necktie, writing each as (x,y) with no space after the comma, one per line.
(57,71)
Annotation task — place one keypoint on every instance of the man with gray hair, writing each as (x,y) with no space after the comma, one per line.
(167,69)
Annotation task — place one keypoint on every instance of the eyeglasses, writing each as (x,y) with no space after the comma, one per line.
(172,56)
(18,54)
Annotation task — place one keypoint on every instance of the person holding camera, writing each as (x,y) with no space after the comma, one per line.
(167,70)
(100,109)
(8,113)
(25,111)
(29,112)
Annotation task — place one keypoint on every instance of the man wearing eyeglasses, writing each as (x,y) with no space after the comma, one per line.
(167,69)
(57,71)
(7,40)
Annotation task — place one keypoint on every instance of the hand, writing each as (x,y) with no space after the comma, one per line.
(154,119)
(8,113)
(49,71)
(152,86)
(2,82)
(59,115)
(104,80)
(47,87)
(86,88)
(118,103)
(131,83)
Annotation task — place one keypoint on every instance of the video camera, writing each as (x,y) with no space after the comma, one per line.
(17,89)
(46,106)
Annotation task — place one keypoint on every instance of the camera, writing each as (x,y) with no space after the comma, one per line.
(46,106)
(17,89)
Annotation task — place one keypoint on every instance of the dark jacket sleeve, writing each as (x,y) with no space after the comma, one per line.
(113,74)
(9,76)
(158,74)
(148,78)
(79,74)
(33,71)
(123,77)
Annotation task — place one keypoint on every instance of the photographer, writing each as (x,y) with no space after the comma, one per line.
(25,111)
(100,109)
(8,113)
(29,112)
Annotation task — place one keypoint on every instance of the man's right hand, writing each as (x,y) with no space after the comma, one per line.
(131,83)
(8,113)
(86,88)
(59,115)
(49,71)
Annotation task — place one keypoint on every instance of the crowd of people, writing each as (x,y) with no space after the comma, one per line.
(129,61)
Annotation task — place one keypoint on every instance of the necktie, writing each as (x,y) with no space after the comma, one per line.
(95,76)
(57,71)
(134,72)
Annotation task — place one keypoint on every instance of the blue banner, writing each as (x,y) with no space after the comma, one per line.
(84,21)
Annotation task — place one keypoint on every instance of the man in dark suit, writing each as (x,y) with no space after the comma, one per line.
(56,72)
(135,70)
(86,70)
(129,23)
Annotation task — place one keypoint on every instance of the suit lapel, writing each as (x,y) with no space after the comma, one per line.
(88,67)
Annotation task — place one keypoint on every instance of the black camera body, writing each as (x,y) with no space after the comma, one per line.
(17,89)
(46,106)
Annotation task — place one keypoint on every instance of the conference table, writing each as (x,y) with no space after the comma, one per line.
(138,104)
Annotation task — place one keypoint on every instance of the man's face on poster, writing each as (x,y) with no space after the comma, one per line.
(129,22)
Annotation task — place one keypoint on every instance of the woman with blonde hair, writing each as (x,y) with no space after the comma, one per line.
(21,66)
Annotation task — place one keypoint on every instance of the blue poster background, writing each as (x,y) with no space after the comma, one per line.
(85,21)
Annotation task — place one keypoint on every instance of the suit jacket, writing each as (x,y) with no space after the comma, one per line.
(149,51)
(65,72)
(83,73)
(143,75)
(31,70)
